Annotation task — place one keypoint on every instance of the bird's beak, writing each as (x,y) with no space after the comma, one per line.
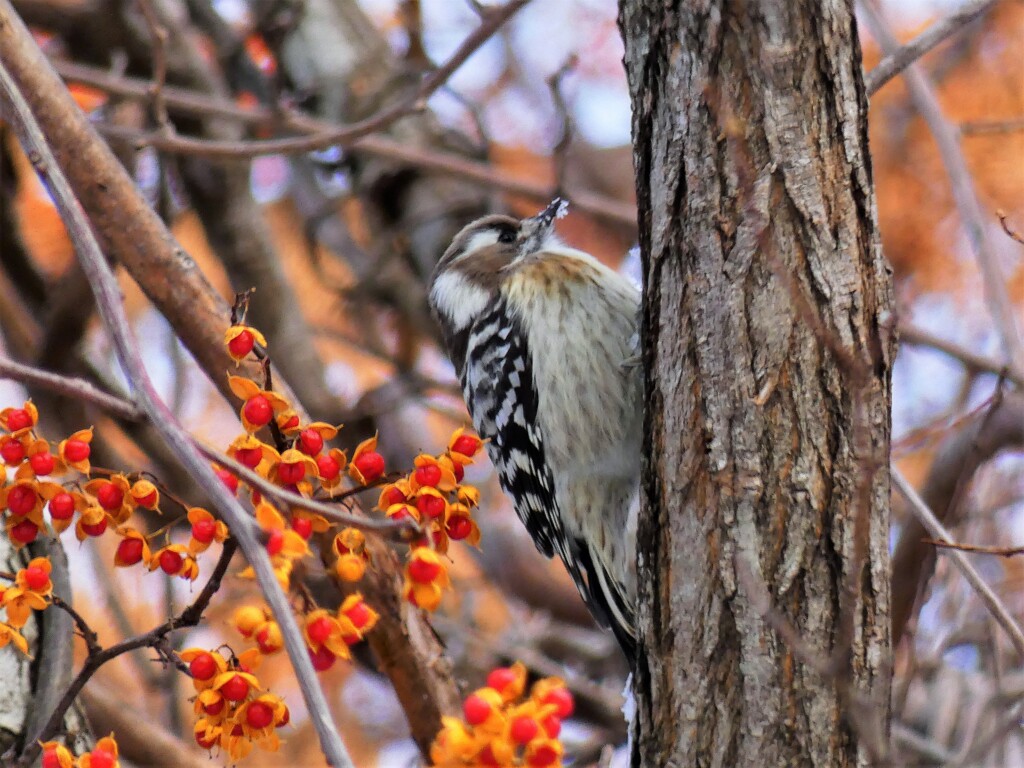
(535,230)
(556,209)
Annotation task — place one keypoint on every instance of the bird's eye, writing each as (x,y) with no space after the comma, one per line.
(507,236)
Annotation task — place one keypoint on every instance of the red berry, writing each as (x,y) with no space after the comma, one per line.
(95,529)
(77,450)
(203,666)
(257,410)
(552,726)
(393,496)
(204,530)
(286,717)
(17,419)
(431,506)
(24,532)
(359,614)
(241,345)
(227,478)
(476,709)
(205,743)
(459,528)
(500,678)
(302,526)
(110,496)
(466,445)
(310,442)
(459,471)
(42,463)
(101,759)
(12,452)
(235,689)
(370,465)
(322,659)
(129,551)
(268,643)
(148,500)
(170,562)
(320,629)
(250,457)
(428,475)
(291,423)
(50,759)
(562,699)
(62,506)
(486,757)
(523,729)
(275,542)
(400,514)
(36,577)
(214,707)
(542,757)
(423,571)
(259,714)
(21,500)
(328,466)
(291,473)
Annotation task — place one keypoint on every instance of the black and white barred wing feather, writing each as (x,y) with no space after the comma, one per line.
(500,393)
(498,387)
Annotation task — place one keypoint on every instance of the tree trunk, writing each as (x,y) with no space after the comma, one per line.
(763,562)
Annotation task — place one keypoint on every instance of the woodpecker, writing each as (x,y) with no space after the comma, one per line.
(542,336)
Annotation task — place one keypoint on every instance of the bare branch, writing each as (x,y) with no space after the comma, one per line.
(69,387)
(937,530)
(924,99)
(289,499)
(189,102)
(899,59)
(977,549)
(492,20)
(1010,231)
(915,335)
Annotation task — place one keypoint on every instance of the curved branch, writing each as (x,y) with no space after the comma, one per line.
(955,464)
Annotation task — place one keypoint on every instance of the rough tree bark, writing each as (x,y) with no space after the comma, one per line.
(767,354)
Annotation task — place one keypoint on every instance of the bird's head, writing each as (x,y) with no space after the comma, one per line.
(469,273)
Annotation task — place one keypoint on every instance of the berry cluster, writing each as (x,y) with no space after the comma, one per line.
(234,711)
(231,711)
(433,494)
(103,755)
(32,591)
(93,507)
(499,728)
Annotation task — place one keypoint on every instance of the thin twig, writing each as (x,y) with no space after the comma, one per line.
(989,127)
(913,334)
(977,549)
(289,499)
(561,148)
(70,387)
(900,58)
(346,135)
(190,617)
(938,531)
(192,103)
(158,33)
(1010,231)
(109,304)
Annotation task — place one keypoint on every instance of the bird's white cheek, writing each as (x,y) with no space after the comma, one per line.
(458,299)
